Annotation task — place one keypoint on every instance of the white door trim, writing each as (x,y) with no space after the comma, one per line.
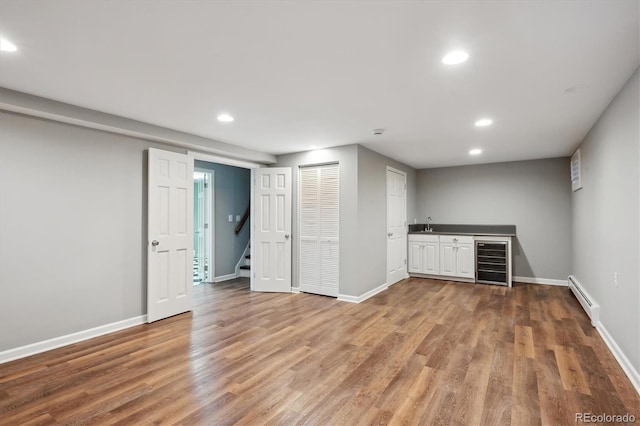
(296,216)
(404,248)
(246,165)
(400,172)
(210,200)
(223,160)
(296,213)
(298,222)
(252,229)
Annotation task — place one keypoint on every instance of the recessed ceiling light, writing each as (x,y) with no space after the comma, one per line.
(225,118)
(7,46)
(484,122)
(455,57)
(475,151)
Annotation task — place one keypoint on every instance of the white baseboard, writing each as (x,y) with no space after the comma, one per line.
(400,280)
(546,281)
(347,298)
(295,290)
(57,342)
(624,362)
(225,278)
(362,298)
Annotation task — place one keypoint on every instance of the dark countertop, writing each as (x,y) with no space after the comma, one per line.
(450,229)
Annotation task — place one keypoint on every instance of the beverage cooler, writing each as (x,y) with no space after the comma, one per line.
(492,266)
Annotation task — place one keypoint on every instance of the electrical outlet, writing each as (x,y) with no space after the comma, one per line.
(238,217)
(230,218)
(615,279)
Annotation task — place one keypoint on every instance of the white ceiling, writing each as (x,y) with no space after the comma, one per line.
(301,73)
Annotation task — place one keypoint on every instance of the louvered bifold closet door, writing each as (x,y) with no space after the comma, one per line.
(319,227)
(329,247)
(309,229)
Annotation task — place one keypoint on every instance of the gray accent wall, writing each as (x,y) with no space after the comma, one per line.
(533,195)
(232,192)
(606,215)
(363,250)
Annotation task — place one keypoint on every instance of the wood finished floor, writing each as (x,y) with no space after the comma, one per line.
(422,352)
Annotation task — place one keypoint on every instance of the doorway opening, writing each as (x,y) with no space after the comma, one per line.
(203,231)
(221,230)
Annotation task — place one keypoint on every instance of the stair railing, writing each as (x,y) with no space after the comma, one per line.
(243,220)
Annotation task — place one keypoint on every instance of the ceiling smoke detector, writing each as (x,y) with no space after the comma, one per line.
(378,131)
(575,89)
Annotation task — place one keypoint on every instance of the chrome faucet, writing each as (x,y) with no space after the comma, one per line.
(428,228)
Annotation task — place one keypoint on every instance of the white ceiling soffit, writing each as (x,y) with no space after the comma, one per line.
(37,106)
(301,74)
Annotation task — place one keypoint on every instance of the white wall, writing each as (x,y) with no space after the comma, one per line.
(533,195)
(606,216)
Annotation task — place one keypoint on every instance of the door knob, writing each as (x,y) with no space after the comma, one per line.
(155,243)
(286,236)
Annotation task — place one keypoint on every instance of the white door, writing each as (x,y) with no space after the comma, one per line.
(464,260)
(396,226)
(319,207)
(271,253)
(170,233)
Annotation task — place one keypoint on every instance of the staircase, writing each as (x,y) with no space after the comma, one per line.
(244,268)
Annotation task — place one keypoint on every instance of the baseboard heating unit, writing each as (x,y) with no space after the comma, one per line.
(588,304)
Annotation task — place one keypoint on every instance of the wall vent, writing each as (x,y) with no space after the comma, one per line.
(588,304)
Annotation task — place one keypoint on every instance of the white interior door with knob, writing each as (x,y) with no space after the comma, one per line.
(271,247)
(396,226)
(170,232)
